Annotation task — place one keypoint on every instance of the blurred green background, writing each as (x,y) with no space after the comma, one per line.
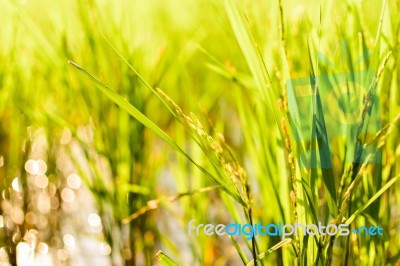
(84,180)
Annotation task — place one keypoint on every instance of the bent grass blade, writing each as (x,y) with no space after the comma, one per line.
(135,113)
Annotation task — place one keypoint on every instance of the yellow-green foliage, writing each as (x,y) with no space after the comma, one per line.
(174,110)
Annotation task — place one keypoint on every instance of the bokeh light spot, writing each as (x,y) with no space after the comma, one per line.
(62,254)
(69,241)
(74,181)
(17,215)
(32,167)
(31,218)
(42,167)
(16,185)
(68,195)
(41,181)
(43,248)
(94,220)
(105,249)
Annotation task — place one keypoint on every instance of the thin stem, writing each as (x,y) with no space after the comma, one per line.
(253,240)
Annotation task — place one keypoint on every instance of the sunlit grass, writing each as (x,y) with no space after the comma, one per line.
(122,121)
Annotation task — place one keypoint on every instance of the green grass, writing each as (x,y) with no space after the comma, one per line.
(177,110)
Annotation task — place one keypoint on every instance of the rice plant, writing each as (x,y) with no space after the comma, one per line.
(132,132)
